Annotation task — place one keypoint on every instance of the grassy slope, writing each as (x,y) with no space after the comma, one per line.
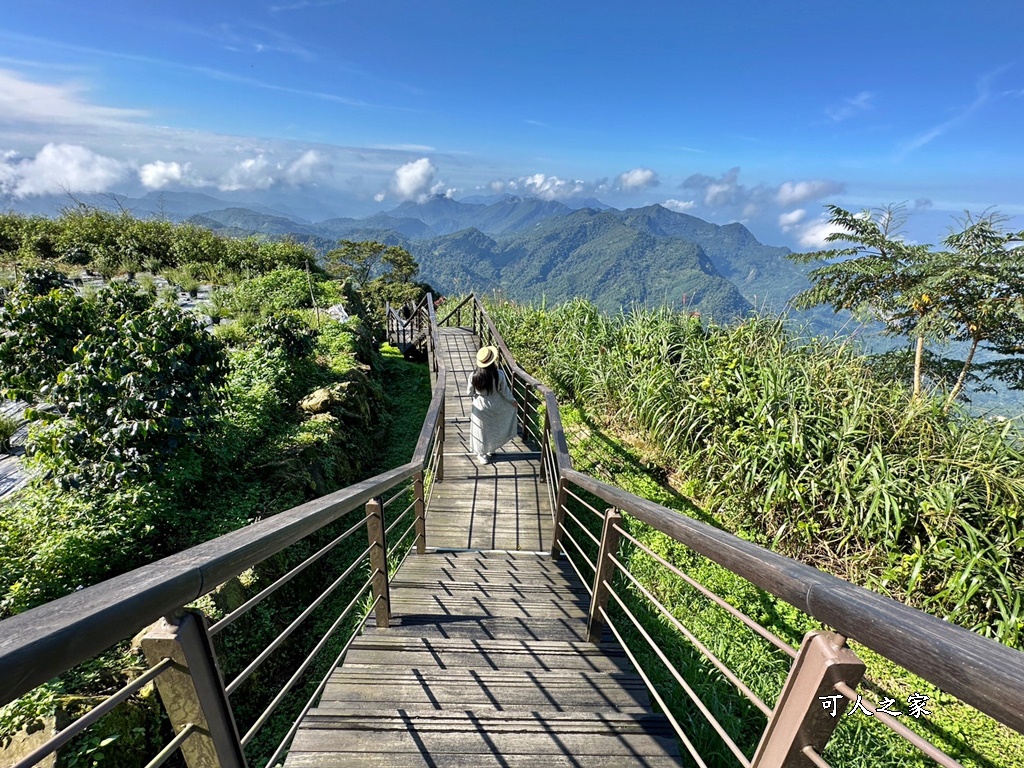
(627,461)
(637,465)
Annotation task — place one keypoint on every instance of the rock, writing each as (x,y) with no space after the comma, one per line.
(322,399)
(27,740)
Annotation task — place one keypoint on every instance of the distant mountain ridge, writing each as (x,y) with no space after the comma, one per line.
(531,248)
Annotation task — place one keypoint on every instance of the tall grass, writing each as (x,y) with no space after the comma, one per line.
(797,444)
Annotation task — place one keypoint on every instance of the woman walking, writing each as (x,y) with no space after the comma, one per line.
(493,420)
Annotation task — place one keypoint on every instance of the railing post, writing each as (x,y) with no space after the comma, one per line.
(421,520)
(545,436)
(804,716)
(605,568)
(558,513)
(379,561)
(192,691)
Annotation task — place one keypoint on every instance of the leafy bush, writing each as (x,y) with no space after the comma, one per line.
(128,381)
(287,333)
(284,289)
(38,335)
(53,542)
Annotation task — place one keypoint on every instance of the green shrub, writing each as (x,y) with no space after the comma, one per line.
(284,289)
(8,426)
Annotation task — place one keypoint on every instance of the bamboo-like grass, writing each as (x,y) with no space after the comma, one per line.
(797,444)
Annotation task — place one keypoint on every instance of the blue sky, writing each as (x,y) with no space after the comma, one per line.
(732,111)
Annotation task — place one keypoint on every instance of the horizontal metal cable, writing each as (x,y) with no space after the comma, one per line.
(812,754)
(585,582)
(654,692)
(316,694)
(398,519)
(396,495)
(397,544)
(572,564)
(305,665)
(409,551)
(276,642)
(173,746)
(719,664)
(93,715)
(586,504)
(265,593)
(778,642)
(571,516)
(926,747)
(712,720)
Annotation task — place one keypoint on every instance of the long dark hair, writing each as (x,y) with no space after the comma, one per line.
(485,380)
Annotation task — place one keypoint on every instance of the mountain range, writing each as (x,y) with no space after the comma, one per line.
(532,249)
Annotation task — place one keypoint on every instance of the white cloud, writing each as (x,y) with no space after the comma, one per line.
(59,168)
(443,189)
(251,173)
(638,178)
(680,205)
(813,234)
(789,220)
(310,165)
(159,174)
(850,107)
(797,192)
(413,180)
(549,187)
(552,187)
(25,101)
(726,195)
(717,192)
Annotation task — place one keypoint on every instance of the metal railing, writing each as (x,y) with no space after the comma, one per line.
(44,642)
(824,671)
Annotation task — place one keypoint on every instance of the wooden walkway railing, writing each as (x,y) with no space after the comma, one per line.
(415,623)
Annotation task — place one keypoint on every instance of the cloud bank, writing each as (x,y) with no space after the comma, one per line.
(59,168)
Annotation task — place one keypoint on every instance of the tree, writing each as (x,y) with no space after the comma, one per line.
(878,276)
(979,297)
(971,293)
(369,260)
(382,273)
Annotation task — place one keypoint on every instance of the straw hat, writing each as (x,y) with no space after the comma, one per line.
(486,356)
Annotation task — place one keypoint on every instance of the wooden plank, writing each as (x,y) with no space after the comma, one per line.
(487,689)
(487,627)
(530,590)
(487,654)
(435,605)
(419,760)
(440,734)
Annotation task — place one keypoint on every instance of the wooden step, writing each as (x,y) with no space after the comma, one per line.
(485,627)
(400,737)
(380,648)
(486,690)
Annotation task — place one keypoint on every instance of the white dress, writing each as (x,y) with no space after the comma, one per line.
(493,421)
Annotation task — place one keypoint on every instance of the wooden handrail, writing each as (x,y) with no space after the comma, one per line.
(982,672)
(43,642)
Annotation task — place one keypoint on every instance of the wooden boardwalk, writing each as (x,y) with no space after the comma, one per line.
(485,662)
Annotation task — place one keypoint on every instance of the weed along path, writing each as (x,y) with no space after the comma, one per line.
(12,475)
